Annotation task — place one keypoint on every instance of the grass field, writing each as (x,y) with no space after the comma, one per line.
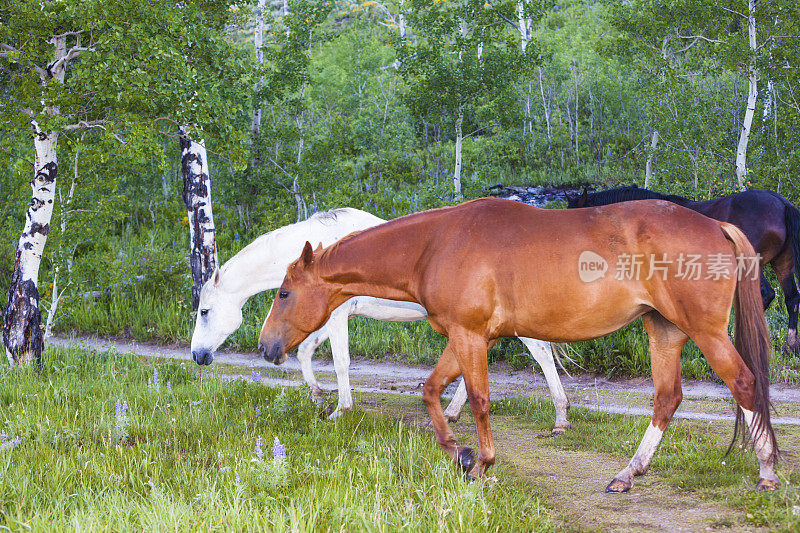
(102,441)
(94,443)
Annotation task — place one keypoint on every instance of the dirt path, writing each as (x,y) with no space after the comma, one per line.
(633,397)
(573,481)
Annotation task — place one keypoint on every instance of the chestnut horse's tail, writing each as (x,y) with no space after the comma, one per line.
(752,339)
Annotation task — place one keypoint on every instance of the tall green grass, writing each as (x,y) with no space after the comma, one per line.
(184,457)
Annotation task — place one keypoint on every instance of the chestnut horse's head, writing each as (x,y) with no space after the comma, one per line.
(302,306)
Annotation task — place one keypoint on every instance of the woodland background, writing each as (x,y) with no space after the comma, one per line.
(369,105)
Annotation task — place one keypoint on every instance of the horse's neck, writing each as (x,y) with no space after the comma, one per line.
(262,264)
(377,264)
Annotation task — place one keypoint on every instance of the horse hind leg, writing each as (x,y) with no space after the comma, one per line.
(784,270)
(726,361)
(542,352)
(666,342)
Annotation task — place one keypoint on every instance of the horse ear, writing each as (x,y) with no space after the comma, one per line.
(318,248)
(216,276)
(308,254)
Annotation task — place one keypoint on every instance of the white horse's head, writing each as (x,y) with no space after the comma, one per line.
(219,314)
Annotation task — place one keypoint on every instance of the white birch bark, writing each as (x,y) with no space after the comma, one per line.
(22,333)
(197,197)
(648,168)
(57,292)
(752,95)
(401,20)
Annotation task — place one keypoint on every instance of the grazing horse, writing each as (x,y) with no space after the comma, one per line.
(494,268)
(261,265)
(770,221)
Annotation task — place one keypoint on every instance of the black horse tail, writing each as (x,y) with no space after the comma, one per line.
(792,216)
(752,340)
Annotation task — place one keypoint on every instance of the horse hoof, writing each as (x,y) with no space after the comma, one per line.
(560,429)
(767,484)
(618,486)
(466,459)
(452,418)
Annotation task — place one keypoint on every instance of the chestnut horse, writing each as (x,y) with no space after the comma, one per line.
(494,268)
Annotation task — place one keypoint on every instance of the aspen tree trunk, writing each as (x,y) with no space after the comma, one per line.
(752,95)
(258,40)
(648,169)
(197,197)
(22,332)
(546,107)
(462,31)
(57,292)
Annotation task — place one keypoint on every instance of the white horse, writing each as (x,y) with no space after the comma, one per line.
(262,264)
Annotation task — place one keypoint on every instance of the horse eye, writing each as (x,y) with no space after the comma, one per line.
(283,295)
(203,312)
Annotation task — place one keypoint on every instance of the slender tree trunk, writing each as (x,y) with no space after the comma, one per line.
(546,108)
(58,293)
(752,95)
(258,41)
(22,333)
(648,168)
(459,140)
(197,197)
(401,20)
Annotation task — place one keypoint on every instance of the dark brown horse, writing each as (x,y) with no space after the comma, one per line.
(494,268)
(770,221)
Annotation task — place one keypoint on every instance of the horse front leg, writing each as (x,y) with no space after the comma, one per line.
(456,405)
(337,329)
(542,353)
(470,350)
(304,353)
(445,371)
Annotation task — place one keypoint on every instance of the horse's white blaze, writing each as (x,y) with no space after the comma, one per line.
(761,445)
(261,265)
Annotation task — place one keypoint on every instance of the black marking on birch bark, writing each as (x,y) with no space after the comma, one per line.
(48,173)
(35,204)
(44,229)
(27,245)
(22,318)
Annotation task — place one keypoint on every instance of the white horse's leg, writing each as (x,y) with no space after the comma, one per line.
(542,352)
(337,329)
(455,406)
(304,353)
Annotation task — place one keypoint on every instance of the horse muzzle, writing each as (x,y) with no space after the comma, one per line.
(272,351)
(203,357)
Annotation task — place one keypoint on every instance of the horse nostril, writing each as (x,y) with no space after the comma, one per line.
(275,353)
(194,357)
(262,350)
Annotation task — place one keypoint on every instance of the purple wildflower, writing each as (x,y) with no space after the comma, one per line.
(259,451)
(258,412)
(155,378)
(236,237)
(238,479)
(255,377)
(3,437)
(278,451)
(16,442)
